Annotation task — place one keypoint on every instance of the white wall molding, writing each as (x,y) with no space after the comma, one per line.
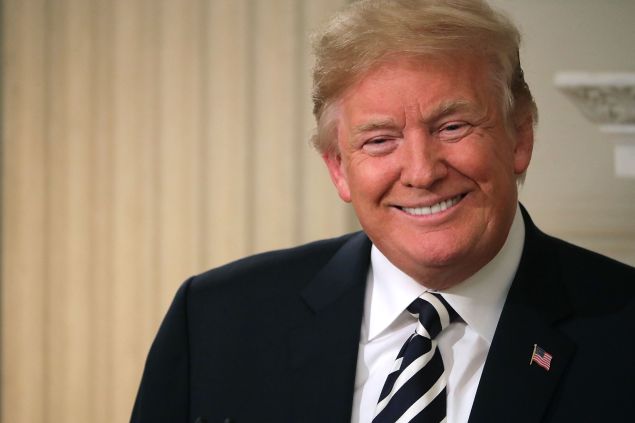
(607,99)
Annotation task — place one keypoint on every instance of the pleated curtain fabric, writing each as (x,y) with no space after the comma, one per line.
(415,389)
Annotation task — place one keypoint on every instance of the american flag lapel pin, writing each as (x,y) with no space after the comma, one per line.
(541,357)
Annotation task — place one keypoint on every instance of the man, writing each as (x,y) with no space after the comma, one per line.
(425,124)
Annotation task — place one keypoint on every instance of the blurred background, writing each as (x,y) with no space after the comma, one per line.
(144,141)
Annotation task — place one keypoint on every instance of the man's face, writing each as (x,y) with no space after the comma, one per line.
(429,166)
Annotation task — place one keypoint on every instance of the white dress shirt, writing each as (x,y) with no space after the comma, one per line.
(463,345)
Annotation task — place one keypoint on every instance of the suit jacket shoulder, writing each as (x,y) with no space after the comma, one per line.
(594,283)
(301,260)
(247,340)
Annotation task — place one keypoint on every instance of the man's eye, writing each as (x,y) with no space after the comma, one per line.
(454,126)
(454,131)
(377,141)
(379,145)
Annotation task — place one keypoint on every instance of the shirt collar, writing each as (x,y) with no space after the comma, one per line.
(478,300)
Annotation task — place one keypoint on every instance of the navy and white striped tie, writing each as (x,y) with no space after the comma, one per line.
(414,390)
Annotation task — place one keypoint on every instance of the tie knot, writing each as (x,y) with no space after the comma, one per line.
(433,312)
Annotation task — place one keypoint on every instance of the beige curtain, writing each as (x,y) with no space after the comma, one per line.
(142,141)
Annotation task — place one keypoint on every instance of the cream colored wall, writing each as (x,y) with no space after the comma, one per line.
(571,189)
(146,140)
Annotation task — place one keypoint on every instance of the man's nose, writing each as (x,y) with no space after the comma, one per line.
(422,161)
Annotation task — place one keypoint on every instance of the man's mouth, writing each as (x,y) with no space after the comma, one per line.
(435,208)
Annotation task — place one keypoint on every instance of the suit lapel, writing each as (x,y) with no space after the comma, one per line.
(511,388)
(323,349)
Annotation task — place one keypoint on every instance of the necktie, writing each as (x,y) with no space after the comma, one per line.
(415,391)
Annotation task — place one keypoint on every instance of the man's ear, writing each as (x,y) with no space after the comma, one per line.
(337,171)
(524,144)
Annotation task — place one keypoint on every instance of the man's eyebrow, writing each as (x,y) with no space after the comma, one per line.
(374,125)
(443,109)
(449,107)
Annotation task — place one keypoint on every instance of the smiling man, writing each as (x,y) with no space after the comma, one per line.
(425,154)
(450,305)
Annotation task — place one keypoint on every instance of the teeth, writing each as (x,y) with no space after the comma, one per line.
(435,208)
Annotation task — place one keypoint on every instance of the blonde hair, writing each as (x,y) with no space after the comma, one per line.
(371,31)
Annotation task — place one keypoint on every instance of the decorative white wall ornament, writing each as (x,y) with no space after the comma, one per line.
(607,99)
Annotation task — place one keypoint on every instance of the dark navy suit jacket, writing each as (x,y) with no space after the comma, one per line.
(274,338)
